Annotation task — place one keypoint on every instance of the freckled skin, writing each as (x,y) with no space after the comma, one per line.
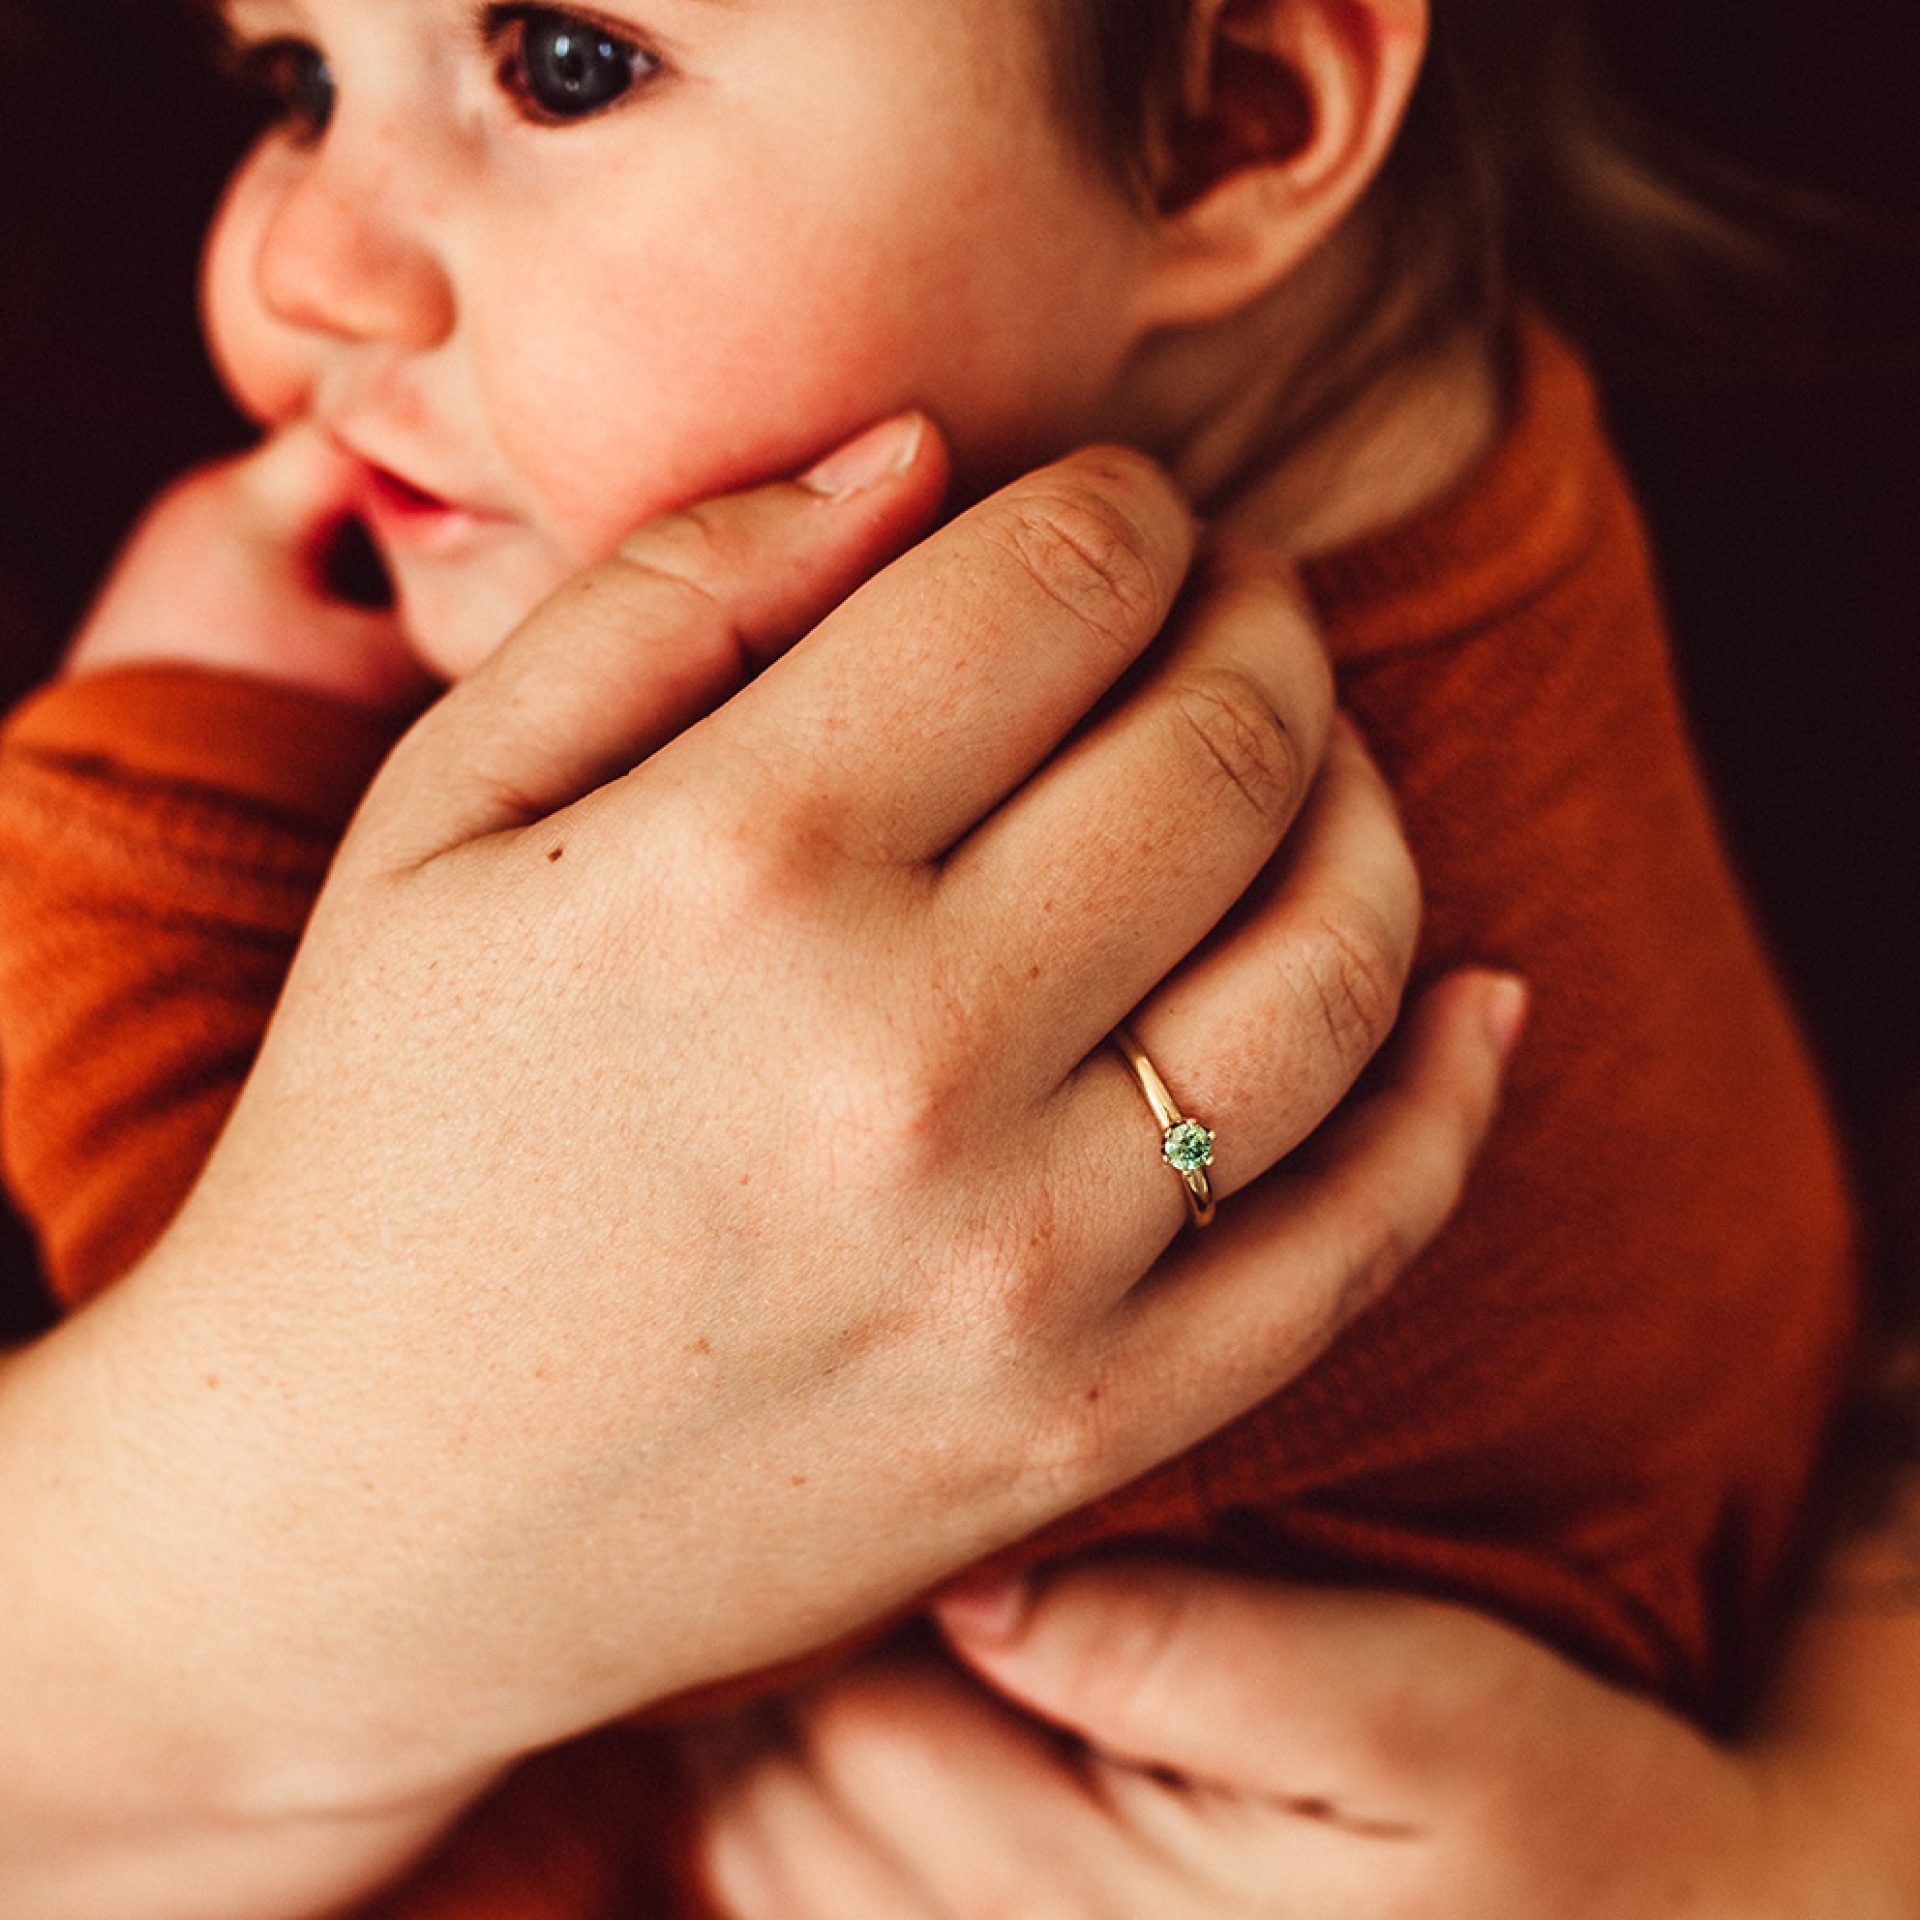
(820,212)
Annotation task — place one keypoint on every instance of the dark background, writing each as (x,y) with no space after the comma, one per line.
(1785,513)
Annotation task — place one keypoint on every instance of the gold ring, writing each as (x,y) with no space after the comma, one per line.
(1185,1145)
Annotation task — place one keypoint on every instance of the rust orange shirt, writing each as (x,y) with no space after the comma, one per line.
(1592,1408)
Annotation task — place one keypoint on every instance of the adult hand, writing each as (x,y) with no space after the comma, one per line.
(1253,1752)
(684,1206)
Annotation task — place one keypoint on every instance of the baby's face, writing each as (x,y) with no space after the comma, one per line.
(546,274)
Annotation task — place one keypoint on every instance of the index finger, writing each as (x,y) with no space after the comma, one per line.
(938,688)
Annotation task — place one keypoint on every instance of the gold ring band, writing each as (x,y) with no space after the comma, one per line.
(1185,1145)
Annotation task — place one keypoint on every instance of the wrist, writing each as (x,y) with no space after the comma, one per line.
(166,1746)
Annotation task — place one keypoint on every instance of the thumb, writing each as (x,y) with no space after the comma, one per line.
(1351,1698)
(227,570)
(297,487)
(637,648)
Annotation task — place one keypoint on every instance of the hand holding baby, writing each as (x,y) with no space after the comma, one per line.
(714,1183)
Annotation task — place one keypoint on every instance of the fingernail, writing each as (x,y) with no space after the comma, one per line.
(992,1610)
(1508,1003)
(881,454)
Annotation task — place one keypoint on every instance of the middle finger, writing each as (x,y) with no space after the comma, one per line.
(1097,880)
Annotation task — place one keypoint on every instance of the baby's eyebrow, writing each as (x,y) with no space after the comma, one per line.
(216,16)
(232,25)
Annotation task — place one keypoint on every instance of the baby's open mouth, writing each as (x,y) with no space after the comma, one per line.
(402,496)
(351,569)
(404,517)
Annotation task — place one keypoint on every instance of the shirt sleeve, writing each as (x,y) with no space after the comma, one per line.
(164,832)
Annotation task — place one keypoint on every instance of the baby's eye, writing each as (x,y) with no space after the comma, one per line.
(294,79)
(559,67)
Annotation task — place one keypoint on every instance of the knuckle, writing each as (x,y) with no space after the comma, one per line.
(1246,742)
(1011,1255)
(1385,1244)
(1022,1272)
(685,546)
(895,1129)
(758,870)
(898,1120)
(911,1096)
(1085,552)
(1356,978)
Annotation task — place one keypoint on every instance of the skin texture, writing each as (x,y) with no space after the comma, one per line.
(362,292)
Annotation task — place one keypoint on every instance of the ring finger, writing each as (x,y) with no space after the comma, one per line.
(1263,1033)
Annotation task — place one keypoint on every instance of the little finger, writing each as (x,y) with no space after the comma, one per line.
(1235,1314)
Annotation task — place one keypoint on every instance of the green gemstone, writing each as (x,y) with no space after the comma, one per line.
(1189,1147)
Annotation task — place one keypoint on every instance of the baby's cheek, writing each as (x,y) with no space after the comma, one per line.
(260,362)
(613,452)
(642,405)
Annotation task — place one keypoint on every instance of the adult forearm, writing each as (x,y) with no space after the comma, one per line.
(158,1750)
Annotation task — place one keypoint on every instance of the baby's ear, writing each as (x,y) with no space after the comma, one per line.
(1288,110)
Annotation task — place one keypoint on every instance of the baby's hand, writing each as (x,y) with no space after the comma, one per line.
(227,571)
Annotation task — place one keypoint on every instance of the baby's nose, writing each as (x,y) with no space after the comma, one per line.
(343,257)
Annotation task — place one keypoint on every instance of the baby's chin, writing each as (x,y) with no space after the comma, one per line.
(457,617)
